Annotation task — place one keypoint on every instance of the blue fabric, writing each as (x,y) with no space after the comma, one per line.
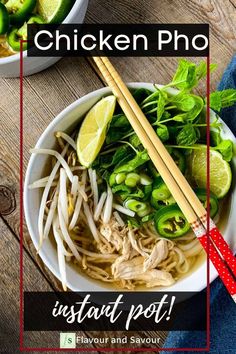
(223,309)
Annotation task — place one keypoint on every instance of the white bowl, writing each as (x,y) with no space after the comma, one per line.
(10,66)
(65,121)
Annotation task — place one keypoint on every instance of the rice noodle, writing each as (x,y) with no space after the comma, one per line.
(97,255)
(123,210)
(99,206)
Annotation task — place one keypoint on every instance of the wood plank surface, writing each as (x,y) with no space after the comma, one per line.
(49,92)
(34,280)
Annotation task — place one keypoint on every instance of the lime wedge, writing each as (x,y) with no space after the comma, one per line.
(54,11)
(92,132)
(220,171)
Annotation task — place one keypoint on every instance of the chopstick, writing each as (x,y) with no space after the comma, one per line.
(187,200)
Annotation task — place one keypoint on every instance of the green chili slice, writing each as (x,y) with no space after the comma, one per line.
(4,19)
(213,201)
(20,10)
(170,222)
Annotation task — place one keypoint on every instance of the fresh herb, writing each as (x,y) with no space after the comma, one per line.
(140,159)
(162,132)
(161,104)
(222,99)
(188,135)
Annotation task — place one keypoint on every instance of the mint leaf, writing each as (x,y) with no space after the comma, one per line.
(228,97)
(185,76)
(187,136)
(201,70)
(134,140)
(162,132)
(215,101)
(161,104)
(183,101)
(222,99)
(193,113)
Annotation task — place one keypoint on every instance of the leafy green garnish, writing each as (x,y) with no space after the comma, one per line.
(201,70)
(185,76)
(183,101)
(188,135)
(188,74)
(161,104)
(140,158)
(134,140)
(162,132)
(222,99)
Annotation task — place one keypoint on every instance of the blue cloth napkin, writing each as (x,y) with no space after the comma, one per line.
(223,309)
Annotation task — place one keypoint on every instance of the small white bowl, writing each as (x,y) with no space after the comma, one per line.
(10,66)
(66,121)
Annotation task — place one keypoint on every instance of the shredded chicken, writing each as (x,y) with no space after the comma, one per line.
(134,270)
(158,254)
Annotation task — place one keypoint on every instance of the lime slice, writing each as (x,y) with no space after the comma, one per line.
(92,133)
(220,171)
(54,11)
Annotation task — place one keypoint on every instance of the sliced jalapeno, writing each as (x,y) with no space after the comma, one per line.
(14,40)
(179,159)
(4,19)
(170,222)
(157,204)
(213,201)
(19,10)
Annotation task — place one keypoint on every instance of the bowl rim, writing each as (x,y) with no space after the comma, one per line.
(16,57)
(62,115)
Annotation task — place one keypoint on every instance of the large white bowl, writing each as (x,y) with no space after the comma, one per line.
(66,121)
(10,66)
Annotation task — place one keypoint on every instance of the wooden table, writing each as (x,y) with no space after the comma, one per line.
(49,92)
